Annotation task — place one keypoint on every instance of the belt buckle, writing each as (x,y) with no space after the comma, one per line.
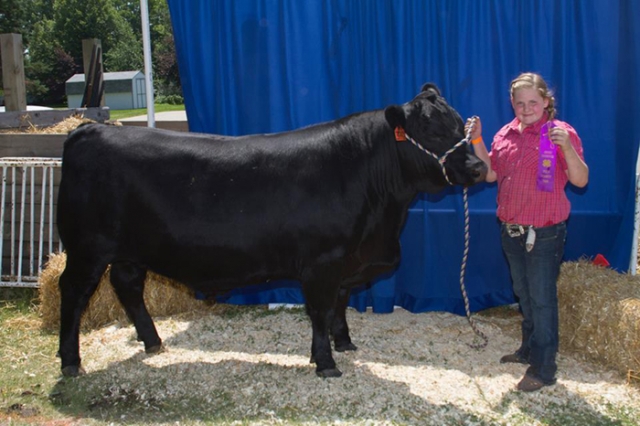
(514,230)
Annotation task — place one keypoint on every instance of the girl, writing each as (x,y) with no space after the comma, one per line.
(532,158)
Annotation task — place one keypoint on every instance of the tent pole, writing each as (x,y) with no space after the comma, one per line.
(146,45)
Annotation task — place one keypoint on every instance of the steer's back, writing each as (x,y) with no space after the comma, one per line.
(184,204)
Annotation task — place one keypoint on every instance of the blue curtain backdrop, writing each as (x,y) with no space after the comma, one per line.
(258,66)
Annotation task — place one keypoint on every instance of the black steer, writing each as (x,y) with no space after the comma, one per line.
(323,205)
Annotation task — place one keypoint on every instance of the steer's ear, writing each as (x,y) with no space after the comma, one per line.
(395,116)
(430,87)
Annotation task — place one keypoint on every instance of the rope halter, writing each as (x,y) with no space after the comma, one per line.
(402,136)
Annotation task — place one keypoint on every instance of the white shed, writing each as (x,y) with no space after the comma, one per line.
(122,90)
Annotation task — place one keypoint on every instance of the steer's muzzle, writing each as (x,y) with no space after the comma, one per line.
(474,171)
(479,170)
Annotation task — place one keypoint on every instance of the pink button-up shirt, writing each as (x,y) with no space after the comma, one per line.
(514,158)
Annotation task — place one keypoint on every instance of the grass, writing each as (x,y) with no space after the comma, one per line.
(27,358)
(117,114)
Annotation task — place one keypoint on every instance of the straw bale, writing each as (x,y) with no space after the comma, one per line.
(599,315)
(163,297)
(65,126)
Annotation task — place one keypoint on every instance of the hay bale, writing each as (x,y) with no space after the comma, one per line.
(63,127)
(599,312)
(162,297)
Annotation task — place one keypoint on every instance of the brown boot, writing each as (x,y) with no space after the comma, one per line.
(513,358)
(532,384)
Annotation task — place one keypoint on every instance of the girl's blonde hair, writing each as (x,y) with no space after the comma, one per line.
(532,80)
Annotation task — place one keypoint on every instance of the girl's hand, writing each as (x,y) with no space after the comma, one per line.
(477,127)
(560,137)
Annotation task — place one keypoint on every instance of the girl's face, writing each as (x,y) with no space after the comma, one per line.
(528,105)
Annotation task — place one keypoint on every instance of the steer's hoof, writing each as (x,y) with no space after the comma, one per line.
(73,371)
(346,347)
(329,372)
(155,349)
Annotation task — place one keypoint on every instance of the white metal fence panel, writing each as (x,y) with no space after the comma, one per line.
(27,232)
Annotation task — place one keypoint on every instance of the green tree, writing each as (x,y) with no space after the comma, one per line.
(166,68)
(48,66)
(75,20)
(14,16)
(26,17)
(124,57)
(53,30)
(14,19)
(20,16)
(159,19)
(165,65)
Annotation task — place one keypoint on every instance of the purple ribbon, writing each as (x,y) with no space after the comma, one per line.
(546,159)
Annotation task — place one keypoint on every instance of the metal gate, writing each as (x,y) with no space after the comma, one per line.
(27,235)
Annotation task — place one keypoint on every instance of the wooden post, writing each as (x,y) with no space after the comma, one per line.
(87,49)
(15,92)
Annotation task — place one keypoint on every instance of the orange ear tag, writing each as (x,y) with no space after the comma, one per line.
(400,135)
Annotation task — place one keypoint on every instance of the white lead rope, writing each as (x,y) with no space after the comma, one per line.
(463,267)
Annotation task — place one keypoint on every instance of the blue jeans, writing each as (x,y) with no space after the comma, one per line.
(534,275)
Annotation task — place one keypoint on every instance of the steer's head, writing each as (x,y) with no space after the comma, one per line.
(432,123)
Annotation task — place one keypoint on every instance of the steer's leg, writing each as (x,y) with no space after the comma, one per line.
(78,282)
(339,328)
(128,281)
(320,301)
